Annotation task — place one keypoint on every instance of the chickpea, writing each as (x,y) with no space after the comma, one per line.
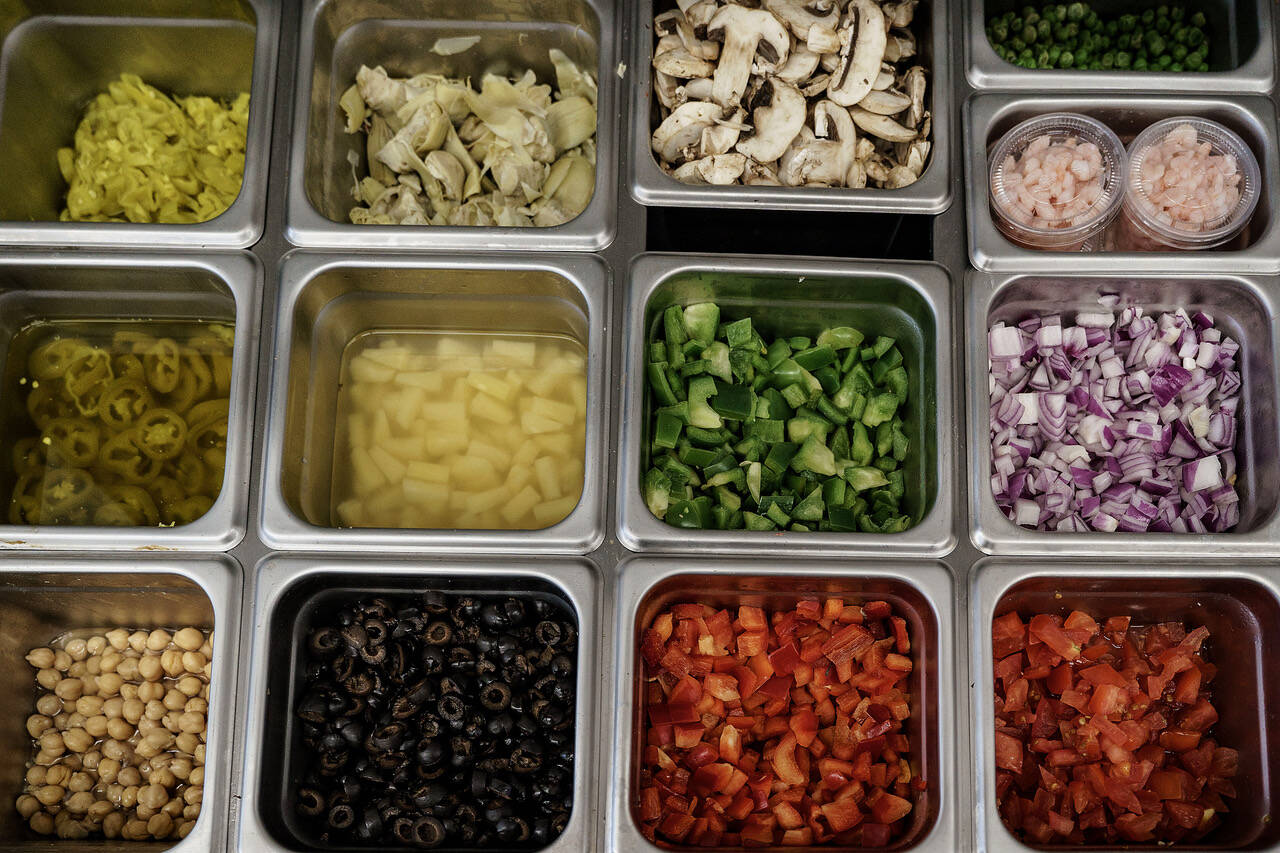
(193,795)
(109,684)
(61,660)
(184,829)
(151,669)
(159,738)
(90,706)
(95,645)
(71,830)
(156,710)
(171,661)
(151,691)
(191,812)
(96,726)
(77,648)
(145,749)
(173,808)
(89,682)
(153,796)
(138,641)
(49,794)
(186,743)
(191,721)
(41,658)
(174,701)
(129,797)
(77,670)
(144,812)
(180,768)
(204,692)
(38,724)
(197,706)
(133,710)
(159,640)
(170,721)
(198,755)
(52,742)
(92,759)
(112,824)
(46,759)
(194,661)
(62,721)
(110,660)
(119,730)
(108,770)
(118,639)
(134,830)
(99,810)
(127,670)
(58,775)
(27,805)
(42,823)
(79,802)
(118,750)
(188,685)
(160,825)
(80,782)
(72,762)
(48,704)
(93,665)
(48,678)
(197,777)
(69,689)
(189,639)
(130,777)
(77,740)
(147,726)
(36,775)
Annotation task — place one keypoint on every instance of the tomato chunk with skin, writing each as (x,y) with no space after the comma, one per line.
(1105,731)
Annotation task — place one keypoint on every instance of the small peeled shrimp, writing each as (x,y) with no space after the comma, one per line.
(1185,185)
(1053,184)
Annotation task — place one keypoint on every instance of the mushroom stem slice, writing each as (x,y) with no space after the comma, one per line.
(679,137)
(881,126)
(886,103)
(862,48)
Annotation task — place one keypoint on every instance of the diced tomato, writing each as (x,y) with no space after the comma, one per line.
(1049,632)
(1103,673)
(1059,679)
(1187,687)
(1184,814)
(1199,717)
(1134,827)
(1008,635)
(1108,699)
(1008,753)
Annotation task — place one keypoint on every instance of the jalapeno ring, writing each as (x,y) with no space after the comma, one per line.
(72,441)
(163,363)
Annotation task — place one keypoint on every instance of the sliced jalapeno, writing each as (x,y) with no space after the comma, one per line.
(225,334)
(29,453)
(186,510)
(72,441)
(194,363)
(182,398)
(210,437)
(45,405)
(189,470)
(127,340)
(116,515)
(26,511)
(138,501)
(86,381)
(162,433)
(222,374)
(166,491)
(128,366)
(208,411)
(124,401)
(67,489)
(51,359)
(163,363)
(123,455)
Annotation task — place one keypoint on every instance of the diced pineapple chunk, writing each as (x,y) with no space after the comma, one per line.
(571,476)
(484,406)
(548,471)
(489,383)
(428,472)
(554,512)
(536,425)
(519,506)
(452,410)
(365,474)
(457,347)
(458,501)
(380,429)
(427,380)
(480,502)
(563,413)
(388,355)
(423,492)
(578,393)
(392,468)
(357,430)
(526,453)
(543,384)
(474,473)
(365,370)
(407,406)
(520,353)
(519,477)
(384,507)
(445,443)
(499,457)
(350,512)
(556,443)
(405,449)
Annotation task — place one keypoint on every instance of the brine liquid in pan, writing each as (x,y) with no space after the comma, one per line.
(459,430)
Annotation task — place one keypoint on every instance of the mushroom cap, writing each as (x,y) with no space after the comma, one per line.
(863,40)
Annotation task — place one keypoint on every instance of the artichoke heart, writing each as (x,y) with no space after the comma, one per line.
(513,152)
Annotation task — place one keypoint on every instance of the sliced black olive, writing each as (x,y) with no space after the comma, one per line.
(376,630)
(324,642)
(310,802)
(439,633)
(496,695)
(342,817)
(428,832)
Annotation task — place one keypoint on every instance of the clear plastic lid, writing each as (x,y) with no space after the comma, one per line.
(1193,184)
(1056,180)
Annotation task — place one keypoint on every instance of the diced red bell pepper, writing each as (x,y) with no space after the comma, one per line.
(785,659)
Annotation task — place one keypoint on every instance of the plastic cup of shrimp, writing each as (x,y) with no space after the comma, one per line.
(1193,184)
(1057,182)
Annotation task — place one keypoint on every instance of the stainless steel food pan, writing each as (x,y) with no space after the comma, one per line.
(338,36)
(923,592)
(70,286)
(929,195)
(1241,38)
(910,302)
(326,301)
(1238,603)
(1243,306)
(988,117)
(287,592)
(41,599)
(55,57)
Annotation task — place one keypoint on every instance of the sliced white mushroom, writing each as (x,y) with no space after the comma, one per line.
(666,90)
(718,169)
(881,126)
(823,155)
(801,15)
(777,115)
(856,178)
(799,66)
(695,90)
(877,168)
(899,47)
(751,37)
(866,148)
(699,14)
(915,84)
(679,62)
(889,102)
(760,175)
(822,40)
(885,79)
(816,86)
(862,46)
(914,155)
(679,136)
(723,135)
(900,13)
(899,177)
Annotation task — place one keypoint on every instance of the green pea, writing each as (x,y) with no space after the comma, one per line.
(1028,11)
(1156,43)
(1136,41)
(1083,55)
(1124,24)
(1031,17)
(1044,30)
(1163,25)
(1177,13)
(1055,53)
(1178,52)
(1029,35)
(1165,60)
(1067,60)
(1123,60)
(1203,67)
(1194,59)
(1148,17)
(1076,12)
(999,33)
(1016,25)
(1175,66)
(1092,21)
(1017,44)
(1195,37)
(1108,60)
(1198,20)
(1028,63)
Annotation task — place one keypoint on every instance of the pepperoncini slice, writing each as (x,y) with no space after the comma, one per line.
(123,455)
(50,360)
(163,363)
(162,433)
(72,441)
(221,374)
(124,401)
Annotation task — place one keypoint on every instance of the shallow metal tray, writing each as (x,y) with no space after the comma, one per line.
(906,301)
(1240,37)
(932,194)
(339,35)
(988,117)
(70,286)
(1243,306)
(42,598)
(53,61)
(283,590)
